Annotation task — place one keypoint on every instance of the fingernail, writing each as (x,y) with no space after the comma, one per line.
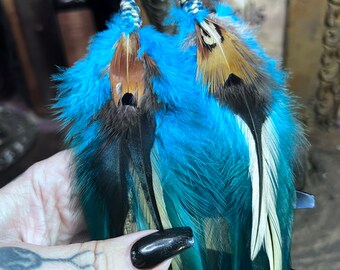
(155,248)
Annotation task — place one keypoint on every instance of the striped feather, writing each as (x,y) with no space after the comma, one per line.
(140,144)
(161,205)
(220,54)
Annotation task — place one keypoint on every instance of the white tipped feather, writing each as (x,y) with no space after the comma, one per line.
(265,224)
(273,242)
(216,37)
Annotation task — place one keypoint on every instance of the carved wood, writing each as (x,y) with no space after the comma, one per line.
(328,94)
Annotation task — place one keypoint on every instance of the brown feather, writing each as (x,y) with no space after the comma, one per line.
(127,69)
(150,66)
(220,54)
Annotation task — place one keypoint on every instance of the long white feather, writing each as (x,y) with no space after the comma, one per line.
(259,215)
(265,224)
(270,160)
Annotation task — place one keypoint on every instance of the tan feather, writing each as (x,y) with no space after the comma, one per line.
(126,69)
(220,53)
(176,263)
(142,200)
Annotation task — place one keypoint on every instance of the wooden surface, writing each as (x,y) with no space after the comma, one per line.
(76,27)
(36,35)
(328,98)
(22,51)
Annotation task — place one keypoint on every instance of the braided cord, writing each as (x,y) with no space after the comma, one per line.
(191,6)
(129,10)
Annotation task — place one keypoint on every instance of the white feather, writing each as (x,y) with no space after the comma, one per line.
(259,215)
(270,160)
(264,219)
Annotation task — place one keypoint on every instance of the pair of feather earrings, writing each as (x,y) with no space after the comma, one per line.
(194,129)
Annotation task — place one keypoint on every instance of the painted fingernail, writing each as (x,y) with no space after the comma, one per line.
(155,248)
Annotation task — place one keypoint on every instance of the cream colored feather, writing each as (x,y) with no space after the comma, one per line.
(265,224)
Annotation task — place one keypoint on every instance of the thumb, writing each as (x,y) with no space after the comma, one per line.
(145,249)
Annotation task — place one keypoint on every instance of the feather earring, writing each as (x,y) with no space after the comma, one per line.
(158,146)
(107,100)
(244,81)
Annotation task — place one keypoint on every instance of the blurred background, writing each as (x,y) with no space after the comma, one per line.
(37,36)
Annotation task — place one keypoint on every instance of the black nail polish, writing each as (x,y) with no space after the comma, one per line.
(155,248)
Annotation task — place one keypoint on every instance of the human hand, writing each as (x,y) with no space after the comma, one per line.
(38,228)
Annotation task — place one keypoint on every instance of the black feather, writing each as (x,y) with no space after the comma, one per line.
(140,141)
(111,162)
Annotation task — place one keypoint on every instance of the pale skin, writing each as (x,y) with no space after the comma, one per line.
(40,229)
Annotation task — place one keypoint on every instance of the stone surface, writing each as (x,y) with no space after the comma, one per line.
(316,238)
(305,26)
(268,19)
